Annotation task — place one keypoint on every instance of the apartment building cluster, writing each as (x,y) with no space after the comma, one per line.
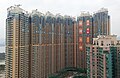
(38,45)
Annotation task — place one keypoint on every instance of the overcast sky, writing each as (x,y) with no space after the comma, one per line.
(68,7)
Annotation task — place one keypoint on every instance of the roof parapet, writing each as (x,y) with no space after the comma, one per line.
(49,14)
(36,12)
(16,9)
(83,13)
(102,10)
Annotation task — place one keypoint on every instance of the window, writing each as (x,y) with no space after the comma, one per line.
(88,22)
(80,23)
(94,43)
(87,39)
(80,47)
(112,42)
(101,43)
(97,43)
(80,39)
(80,30)
(87,30)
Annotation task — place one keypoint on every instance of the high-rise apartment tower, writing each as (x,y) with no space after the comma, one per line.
(17,43)
(101,23)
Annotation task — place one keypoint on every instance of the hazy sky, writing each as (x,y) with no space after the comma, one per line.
(68,7)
